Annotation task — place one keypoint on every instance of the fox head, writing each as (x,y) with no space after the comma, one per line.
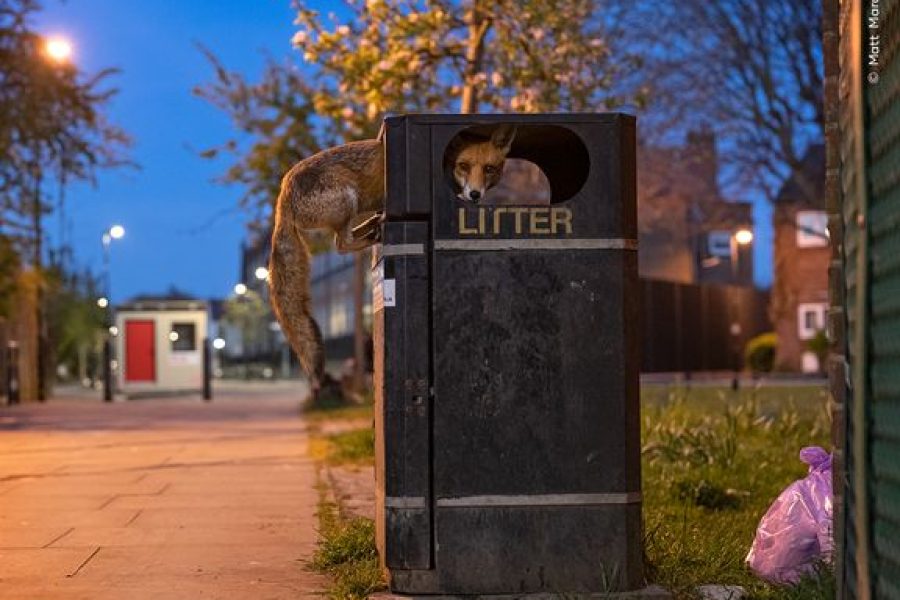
(477,164)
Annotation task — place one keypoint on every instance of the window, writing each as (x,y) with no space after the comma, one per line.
(812,228)
(810,319)
(183,337)
(719,244)
(339,323)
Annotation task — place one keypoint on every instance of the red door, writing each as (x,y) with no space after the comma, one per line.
(140,351)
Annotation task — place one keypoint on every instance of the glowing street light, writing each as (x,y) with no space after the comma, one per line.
(116,232)
(173,336)
(102,302)
(240,289)
(218,343)
(59,49)
(743,236)
(261,273)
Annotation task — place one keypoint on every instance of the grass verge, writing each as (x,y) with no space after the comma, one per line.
(353,447)
(347,553)
(713,461)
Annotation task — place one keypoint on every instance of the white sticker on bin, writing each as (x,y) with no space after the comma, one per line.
(389,291)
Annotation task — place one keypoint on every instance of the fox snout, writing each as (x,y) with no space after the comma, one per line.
(473,184)
(478,165)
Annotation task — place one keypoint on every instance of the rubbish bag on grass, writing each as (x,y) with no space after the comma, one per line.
(796,531)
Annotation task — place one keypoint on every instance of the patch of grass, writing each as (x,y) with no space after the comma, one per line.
(346,413)
(347,553)
(354,446)
(713,462)
(330,412)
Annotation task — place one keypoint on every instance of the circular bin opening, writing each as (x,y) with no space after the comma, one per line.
(545,163)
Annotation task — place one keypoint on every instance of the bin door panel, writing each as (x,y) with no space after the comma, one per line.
(140,351)
(402,397)
(530,373)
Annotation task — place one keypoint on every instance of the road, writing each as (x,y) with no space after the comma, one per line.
(158,498)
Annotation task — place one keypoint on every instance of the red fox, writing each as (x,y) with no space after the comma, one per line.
(330,190)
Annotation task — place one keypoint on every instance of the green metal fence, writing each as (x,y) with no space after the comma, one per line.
(870,185)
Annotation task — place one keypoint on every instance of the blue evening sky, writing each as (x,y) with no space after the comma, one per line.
(169,207)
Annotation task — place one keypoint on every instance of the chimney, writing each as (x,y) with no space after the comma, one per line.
(702,159)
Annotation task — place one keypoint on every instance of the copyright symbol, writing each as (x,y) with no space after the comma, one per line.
(873,77)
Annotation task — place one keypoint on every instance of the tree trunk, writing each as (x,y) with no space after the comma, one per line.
(479,24)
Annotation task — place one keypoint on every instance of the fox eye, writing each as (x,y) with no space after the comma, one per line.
(463,166)
(490,169)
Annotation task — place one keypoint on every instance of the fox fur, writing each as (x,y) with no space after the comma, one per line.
(330,190)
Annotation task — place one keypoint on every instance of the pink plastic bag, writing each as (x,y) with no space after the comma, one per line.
(795,533)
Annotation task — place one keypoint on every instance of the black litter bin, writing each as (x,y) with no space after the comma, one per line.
(506,364)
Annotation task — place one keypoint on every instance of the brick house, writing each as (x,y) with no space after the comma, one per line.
(799,303)
(685,225)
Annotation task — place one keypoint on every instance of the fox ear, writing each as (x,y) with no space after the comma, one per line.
(503,136)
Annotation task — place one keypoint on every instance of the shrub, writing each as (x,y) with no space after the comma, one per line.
(759,354)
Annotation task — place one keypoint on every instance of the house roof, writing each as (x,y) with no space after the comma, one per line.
(172,300)
(806,186)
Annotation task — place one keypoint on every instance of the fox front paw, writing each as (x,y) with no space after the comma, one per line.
(370,229)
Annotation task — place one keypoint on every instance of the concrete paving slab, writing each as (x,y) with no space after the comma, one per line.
(157,499)
(30,536)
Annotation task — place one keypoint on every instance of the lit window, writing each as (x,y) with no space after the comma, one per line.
(340,322)
(719,244)
(812,228)
(810,319)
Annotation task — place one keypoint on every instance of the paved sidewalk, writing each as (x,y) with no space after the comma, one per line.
(157,498)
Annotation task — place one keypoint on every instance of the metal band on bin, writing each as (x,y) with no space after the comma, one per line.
(402,249)
(539,244)
(542,500)
(405,502)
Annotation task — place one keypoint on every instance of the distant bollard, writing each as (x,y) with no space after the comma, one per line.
(12,372)
(207,371)
(107,371)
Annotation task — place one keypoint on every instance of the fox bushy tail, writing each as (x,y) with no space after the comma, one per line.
(289,267)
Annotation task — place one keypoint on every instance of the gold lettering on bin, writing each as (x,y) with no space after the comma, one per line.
(539,223)
(518,212)
(561,216)
(463,229)
(540,220)
(497,212)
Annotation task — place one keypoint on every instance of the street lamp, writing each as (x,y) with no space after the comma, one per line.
(116,232)
(741,237)
(261,273)
(58,49)
(240,289)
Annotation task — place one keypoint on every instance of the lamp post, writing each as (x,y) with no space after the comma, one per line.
(57,50)
(741,237)
(115,232)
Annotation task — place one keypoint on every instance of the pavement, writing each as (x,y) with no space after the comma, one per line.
(165,498)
